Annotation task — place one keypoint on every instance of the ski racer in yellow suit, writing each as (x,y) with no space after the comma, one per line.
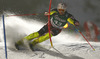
(59,19)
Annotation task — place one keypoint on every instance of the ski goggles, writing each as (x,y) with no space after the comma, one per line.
(61,10)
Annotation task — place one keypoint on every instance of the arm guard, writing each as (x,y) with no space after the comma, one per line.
(71,19)
(53,12)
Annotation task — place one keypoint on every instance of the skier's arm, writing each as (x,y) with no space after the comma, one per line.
(52,12)
(73,21)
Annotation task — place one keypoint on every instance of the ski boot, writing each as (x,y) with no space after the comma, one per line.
(26,40)
(18,45)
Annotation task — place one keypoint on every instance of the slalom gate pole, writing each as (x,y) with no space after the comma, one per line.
(4,36)
(49,23)
(22,15)
(84,37)
(49,28)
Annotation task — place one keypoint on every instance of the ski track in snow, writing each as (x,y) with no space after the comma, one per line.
(67,51)
(69,47)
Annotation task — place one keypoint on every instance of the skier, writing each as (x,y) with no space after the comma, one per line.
(59,19)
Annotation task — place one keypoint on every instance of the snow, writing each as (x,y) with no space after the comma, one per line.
(68,45)
(67,51)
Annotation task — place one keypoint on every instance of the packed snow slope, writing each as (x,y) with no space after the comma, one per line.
(67,51)
(68,46)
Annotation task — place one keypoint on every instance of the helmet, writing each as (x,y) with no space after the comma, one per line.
(62,6)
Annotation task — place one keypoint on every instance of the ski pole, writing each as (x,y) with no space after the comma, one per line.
(84,37)
(4,36)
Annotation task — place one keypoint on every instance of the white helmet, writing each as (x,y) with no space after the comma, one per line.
(61,6)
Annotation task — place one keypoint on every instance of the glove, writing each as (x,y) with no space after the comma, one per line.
(46,13)
(76,23)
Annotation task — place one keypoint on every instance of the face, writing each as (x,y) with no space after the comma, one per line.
(61,11)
